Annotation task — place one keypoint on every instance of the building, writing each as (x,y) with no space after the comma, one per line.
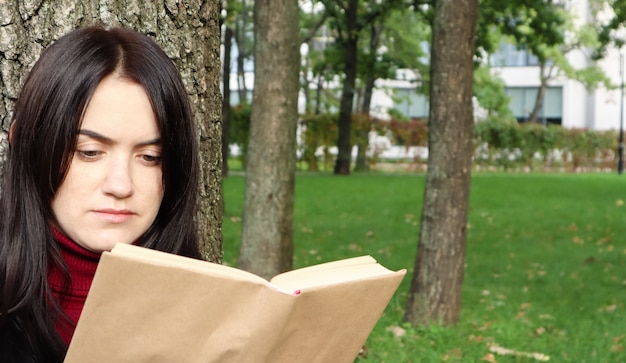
(566,102)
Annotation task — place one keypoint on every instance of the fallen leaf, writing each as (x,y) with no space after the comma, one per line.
(396,331)
(619,202)
(577,240)
(524,306)
(489,358)
(504,351)
(455,352)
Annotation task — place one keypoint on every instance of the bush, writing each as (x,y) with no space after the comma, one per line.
(512,145)
(240,129)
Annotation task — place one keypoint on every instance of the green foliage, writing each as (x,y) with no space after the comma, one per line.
(500,142)
(511,145)
(404,36)
(608,33)
(490,93)
(318,131)
(544,264)
(531,23)
(240,128)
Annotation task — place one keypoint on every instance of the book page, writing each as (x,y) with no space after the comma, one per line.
(150,306)
(331,273)
(169,259)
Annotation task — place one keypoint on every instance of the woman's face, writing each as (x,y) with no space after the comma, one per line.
(113,188)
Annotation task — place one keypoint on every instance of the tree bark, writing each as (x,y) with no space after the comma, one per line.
(267,237)
(188,32)
(228,42)
(435,294)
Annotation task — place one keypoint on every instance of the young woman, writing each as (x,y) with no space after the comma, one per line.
(102,150)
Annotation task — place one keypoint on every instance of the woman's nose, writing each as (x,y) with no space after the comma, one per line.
(118,181)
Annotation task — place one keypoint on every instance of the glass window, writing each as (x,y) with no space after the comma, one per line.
(509,55)
(523,101)
(411,104)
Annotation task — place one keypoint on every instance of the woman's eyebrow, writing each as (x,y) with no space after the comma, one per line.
(96,136)
(108,140)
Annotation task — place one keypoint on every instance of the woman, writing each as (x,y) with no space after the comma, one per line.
(102,150)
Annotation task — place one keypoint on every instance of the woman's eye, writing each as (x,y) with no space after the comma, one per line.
(88,154)
(151,159)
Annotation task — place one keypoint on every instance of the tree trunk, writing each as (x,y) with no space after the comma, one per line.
(363,134)
(364,126)
(534,114)
(435,294)
(228,42)
(241,26)
(188,33)
(318,95)
(344,144)
(267,238)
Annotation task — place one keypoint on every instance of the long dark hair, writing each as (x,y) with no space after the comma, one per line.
(46,121)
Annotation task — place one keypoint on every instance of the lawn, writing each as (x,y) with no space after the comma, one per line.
(545,266)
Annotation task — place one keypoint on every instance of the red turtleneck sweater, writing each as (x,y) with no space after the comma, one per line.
(81,264)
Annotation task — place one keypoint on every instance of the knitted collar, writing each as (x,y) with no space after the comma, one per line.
(81,264)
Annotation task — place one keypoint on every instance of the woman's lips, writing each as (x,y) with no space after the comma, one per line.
(114,215)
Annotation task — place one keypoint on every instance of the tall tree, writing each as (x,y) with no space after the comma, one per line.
(242,33)
(189,34)
(228,33)
(370,62)
(435,294)
(267,237)
(348,19)
(350,41)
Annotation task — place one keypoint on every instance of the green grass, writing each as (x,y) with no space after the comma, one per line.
(545,265)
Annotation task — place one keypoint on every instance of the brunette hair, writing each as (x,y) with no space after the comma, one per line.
(46,122)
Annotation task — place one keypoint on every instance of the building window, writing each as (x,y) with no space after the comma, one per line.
(410,103)
(523,101)
(509,55)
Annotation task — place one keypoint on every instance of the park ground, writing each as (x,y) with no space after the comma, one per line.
(544,271)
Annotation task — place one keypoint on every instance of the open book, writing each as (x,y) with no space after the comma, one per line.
(151,306)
